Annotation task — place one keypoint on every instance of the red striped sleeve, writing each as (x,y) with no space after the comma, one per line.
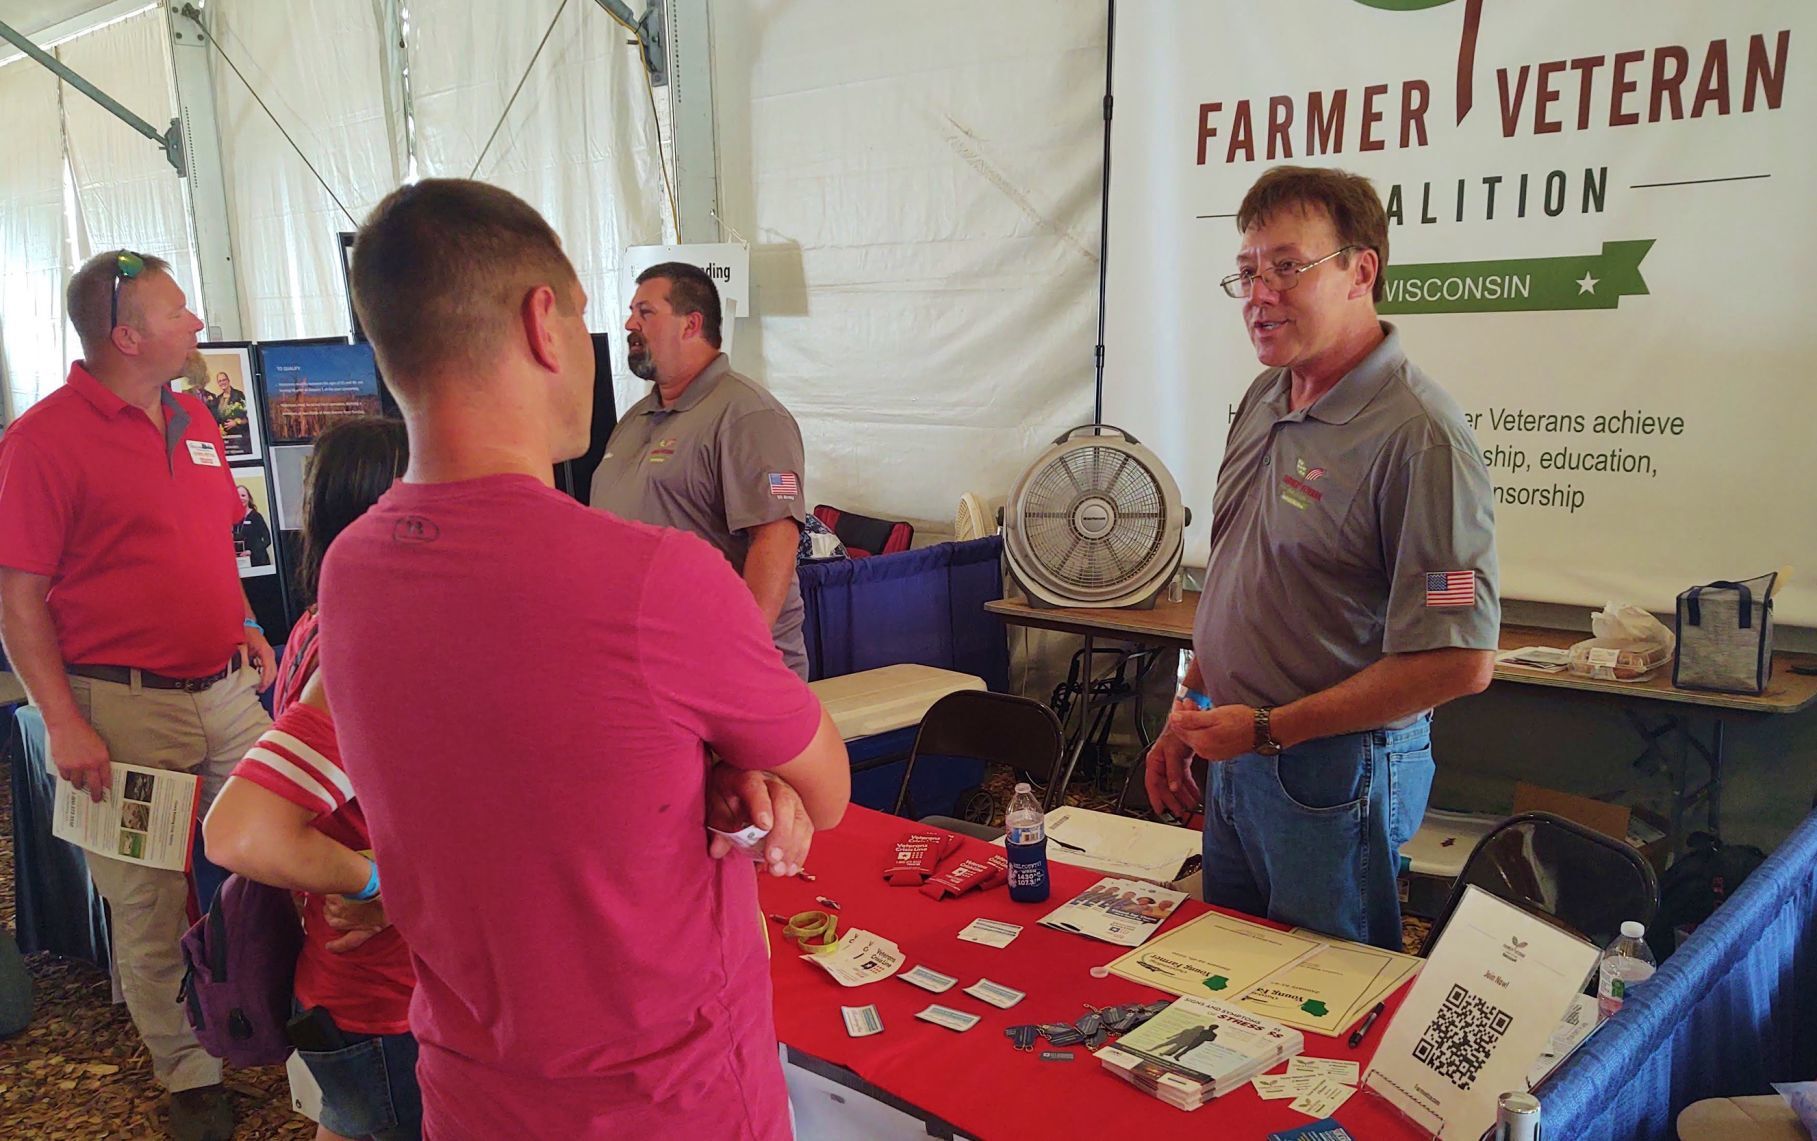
(299,760)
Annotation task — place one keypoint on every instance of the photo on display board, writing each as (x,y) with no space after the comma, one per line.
(220,376)
(252,538)
(311,386)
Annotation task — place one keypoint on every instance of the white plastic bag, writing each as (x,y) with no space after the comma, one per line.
(1629,645)
(1631,623)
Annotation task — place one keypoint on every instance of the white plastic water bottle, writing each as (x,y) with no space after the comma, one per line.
(1626,963)
(1025,840)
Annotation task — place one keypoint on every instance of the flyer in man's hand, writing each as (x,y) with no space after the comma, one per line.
(148,817)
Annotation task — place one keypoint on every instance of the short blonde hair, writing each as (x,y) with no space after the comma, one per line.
(90,296)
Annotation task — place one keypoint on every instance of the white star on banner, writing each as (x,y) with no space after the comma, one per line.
(1586,283)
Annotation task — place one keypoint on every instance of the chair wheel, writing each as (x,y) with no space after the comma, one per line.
(978,806)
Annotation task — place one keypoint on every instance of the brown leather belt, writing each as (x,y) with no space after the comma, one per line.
(122,675)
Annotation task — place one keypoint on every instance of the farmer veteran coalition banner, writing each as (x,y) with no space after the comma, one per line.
(1602,242)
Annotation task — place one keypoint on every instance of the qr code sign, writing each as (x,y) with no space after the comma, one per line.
(1461,1037)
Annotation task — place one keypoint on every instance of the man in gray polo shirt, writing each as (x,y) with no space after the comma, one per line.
(708,451)
(1352,581)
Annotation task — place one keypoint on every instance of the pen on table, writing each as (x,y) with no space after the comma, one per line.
(1356,1039)
(1064,844)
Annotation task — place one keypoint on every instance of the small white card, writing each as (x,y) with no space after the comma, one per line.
(996,994)
(862,1021)
(948,1017)
(202,452)
(1323,1099)
(990,932)
(746,841)
(1341,1072)
(1275,1087)
(928,979)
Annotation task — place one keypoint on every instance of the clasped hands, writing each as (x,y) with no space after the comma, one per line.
(1217,734)
(739,798)
(736,799)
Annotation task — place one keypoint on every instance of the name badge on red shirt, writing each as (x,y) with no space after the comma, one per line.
(203,452)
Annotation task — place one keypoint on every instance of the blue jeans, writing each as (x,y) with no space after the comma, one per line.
(369,1086)
(1313,837)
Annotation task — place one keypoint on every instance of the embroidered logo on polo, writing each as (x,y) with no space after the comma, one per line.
(415,529)
(1297,490)
(662,451)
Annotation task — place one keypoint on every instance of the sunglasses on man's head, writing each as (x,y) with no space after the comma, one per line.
(125,265)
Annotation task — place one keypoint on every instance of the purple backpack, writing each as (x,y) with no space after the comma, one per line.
(240,962)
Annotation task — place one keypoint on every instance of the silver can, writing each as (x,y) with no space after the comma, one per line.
(1516,1118)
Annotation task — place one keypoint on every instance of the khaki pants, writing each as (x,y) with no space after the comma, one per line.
(205,732)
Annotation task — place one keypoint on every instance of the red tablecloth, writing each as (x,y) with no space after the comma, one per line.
(975,1079)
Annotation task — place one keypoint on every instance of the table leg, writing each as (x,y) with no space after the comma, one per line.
(1676,762)
(1714,756)
(1056,796)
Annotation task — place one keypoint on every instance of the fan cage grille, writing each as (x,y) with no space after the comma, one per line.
(1094,476)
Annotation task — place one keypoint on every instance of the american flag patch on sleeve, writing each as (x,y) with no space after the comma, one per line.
(784,485)
(1451,588)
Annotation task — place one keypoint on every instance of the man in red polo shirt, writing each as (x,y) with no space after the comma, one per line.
(123,615)
(525,690)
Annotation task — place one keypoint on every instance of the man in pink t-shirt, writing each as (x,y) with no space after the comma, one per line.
(525,692)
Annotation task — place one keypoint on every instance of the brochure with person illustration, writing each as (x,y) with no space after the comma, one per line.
(1198,1049)
(148,817)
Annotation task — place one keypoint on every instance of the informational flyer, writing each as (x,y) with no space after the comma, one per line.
(1214,956)
(1119,911)
(147,817)
(858,958)
(1327,992)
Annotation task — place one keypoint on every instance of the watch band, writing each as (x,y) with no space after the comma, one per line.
(1265,744)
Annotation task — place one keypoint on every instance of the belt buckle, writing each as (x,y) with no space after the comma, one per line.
(198,684)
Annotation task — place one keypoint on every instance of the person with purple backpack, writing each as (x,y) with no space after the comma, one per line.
(288,817)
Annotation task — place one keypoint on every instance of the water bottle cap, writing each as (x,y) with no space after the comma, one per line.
(1633,930)
(1024,787)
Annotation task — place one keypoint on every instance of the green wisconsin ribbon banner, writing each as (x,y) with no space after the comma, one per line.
(1518,285)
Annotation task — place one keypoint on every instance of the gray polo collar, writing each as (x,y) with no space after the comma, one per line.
(697,390)
(1353,393)
(176,419)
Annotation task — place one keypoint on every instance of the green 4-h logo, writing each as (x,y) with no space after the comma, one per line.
(1466,48)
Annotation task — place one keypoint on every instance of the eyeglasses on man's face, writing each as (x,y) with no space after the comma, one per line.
(1280,277)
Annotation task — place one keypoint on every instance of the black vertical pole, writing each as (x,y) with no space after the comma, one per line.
(1110,54)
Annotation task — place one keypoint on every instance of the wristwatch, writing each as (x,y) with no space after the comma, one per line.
(1265,744)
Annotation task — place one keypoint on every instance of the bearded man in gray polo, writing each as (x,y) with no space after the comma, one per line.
(1351,587)
(709,451)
